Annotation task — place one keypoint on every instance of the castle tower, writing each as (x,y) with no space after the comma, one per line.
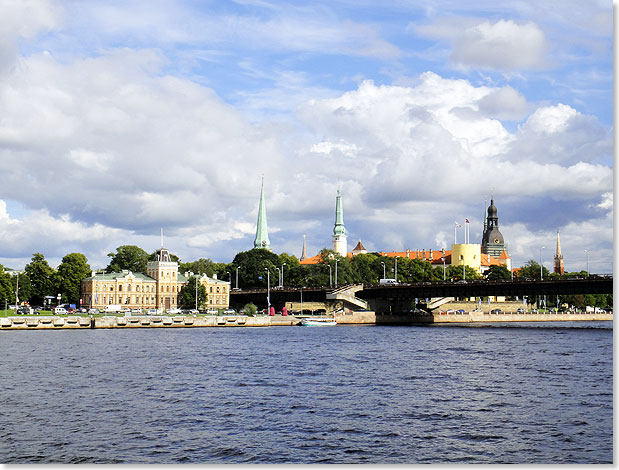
(492,242)
(262,236)
(339,231)
(304,252)
(559,268)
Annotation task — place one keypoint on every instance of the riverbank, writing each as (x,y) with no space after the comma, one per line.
(349,318)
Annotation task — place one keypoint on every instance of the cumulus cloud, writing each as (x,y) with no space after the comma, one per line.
(503,45)
(23,19)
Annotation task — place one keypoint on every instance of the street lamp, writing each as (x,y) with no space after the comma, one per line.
(237,277)
(196,292)
(443,259)
(279,276)
(587,253)
(384,270)
(268,290)
(396,269)
(336,261)
(541,274)
(330,276)
(282,283)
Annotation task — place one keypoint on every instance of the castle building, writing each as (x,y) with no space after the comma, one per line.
(559,268)
(492,242)
(262,235)
(339,231)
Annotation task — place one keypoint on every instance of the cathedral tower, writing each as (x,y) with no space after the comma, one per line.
(262,236)
(492,242)
(339,231)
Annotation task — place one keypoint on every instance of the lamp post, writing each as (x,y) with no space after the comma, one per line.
(396,269)
(443,259)
(587,253)
(237,277)
(384,270)
(282,282)
(196,292)
(279,275)
(336,261)
(268,290)
(330,276)
(541,274)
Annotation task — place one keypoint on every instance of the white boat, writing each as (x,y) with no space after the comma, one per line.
(318,322)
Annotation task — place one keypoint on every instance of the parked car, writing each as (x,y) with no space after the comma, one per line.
(93,311)
(173,311)
(230,311)
(460,311)
(496,311)
(60,311)
(212,311)
(520,310)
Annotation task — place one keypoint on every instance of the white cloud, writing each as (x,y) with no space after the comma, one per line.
(502,45)
(23,19)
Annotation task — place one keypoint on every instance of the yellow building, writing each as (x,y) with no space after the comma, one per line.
(157,290)
(467,254)
(217,292)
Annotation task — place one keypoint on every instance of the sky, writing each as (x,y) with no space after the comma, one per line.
(120,119)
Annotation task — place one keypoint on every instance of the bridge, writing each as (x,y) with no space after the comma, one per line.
(403,294)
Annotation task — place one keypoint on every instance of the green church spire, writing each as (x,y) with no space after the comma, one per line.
(262,236)
(339,229)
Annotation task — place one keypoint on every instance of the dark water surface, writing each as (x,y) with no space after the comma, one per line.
(537,393)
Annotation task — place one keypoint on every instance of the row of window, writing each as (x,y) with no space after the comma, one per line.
(146,288)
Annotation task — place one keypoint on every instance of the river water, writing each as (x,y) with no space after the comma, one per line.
(517,393)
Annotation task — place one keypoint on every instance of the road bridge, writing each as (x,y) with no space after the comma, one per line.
(404,293)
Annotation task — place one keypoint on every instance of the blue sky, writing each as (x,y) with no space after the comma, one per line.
(118,118)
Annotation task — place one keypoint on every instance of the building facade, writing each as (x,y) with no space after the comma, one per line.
(159,289)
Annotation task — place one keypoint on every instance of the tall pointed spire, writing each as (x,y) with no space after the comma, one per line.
(339,231)
(304,252)
(262,236)
(559,268)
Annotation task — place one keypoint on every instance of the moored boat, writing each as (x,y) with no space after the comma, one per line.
(318,322)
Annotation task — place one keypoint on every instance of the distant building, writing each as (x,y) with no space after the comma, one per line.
(559,268)
(359,249)
(304,251)
(492,242)
(159,289)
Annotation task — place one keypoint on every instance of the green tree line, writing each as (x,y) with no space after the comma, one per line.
(254,269)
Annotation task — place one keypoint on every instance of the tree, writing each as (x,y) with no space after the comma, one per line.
(187,295)
(7,294)
(73,268)
(41,276)
(130,257)
(153,257)
(252,264)
(531,270)
(363,268)
(496,272)
(201,266)
(455,273)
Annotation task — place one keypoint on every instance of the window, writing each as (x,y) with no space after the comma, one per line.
(218,289)
(120,287)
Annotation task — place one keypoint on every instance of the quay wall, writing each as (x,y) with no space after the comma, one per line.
(348,318)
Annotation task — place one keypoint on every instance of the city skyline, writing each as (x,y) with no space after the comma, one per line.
(121,118)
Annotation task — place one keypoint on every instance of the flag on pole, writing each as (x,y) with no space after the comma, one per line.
(458,225)
(467,221)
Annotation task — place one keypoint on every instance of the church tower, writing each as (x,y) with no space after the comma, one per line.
(262,236)
(559,257)
(339,231)
(304,252)
(492,242)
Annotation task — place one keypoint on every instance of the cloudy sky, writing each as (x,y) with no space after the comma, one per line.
(120,118)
